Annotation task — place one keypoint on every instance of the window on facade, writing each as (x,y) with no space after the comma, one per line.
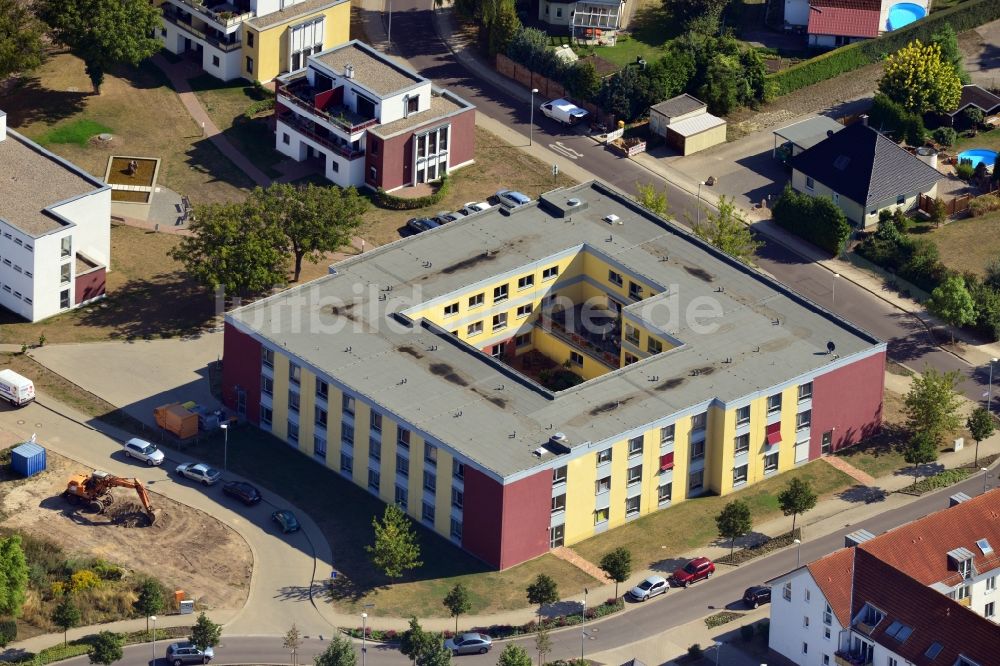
(559,475)
(576,358)
(476,301)
(372,174)
(805,648)
(430,480)
(742,443)
(249,65)
(559,503)
(346,463)
(458,469)
(322,389)
(403,438)
(634,290)
(457,498)
(550,272)
(635,446)
(632,505)
(667,434)
(600,516)
(696,480)
(557,536)
(293,431)
(604,456)
(427,512)
(698,421)
(319,446)
(771,462)
(743,415)
(266,385)
(634,475)
(430,454)
(500,321)
(65,273)
(630,358)
(523,311)
(321,417)
(500,293)
(347,433)
(805,621)
(375,421)
(65,246)
(402,466)
(786,592)
(805,391)
(615,278)
(293,401)
(401,497)
(522,340)
(963,592)
(774,403)
(654,346)
(347,405)
(374,449)
(803,419)
(456,529)
(525,281)
(265,415)
(990,609)
(698,450)
(827,615)
(267,357)
(740,474)
(475,328)
(249,39)
(602,485)
(663,493)
(991,583)
(631,334)
(810,183)
(294,373)
(451,309)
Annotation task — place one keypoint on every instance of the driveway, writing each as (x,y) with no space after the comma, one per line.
(138,376)
(983,64)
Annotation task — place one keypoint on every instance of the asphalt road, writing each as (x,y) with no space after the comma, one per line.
(677,607)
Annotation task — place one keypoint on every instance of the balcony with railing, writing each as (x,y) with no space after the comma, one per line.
(309,129)
(224,13)
(848,658)
(298,92)
(211,35)
(603,346)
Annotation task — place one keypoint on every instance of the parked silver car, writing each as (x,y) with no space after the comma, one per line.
(512,198)
(142,450)
(470,643)
(649,588)
(186,653)
(204,474)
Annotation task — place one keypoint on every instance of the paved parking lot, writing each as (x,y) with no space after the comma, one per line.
(140,375)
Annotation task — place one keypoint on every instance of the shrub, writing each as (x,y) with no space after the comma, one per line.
(259,106)
(746,633)
(816,219)
(107,571)
(695,651)
(383,199)
(84,579)
(58,588)
(8,631)
(945,136)
(964,170)
(984,204)
(889,116)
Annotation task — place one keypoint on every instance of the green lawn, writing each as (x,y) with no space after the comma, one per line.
(79,132)
(989,140)
(967,244)
(666,534)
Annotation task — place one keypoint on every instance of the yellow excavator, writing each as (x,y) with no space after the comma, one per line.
(94,491)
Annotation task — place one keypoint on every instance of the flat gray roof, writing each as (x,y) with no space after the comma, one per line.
(767,335)
(371,69)
(443,105)
(34,179)
(291,12)
(807,133)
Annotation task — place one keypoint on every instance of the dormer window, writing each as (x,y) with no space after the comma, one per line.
(412,104)
(962,561)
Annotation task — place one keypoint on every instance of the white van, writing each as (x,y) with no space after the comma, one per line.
(17,390)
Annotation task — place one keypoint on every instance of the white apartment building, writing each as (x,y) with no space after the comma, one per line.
(55,230)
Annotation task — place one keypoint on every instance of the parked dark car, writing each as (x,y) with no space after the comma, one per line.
(697,569)
(757,595)
(242,491)
(420,224)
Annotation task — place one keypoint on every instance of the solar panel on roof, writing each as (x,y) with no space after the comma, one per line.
(933,651)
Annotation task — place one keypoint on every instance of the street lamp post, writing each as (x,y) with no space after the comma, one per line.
(700,183)
(989,395)
(388,32)
(531,123)
(986,477)
(718,649)
(153,618)
(583,624)
(364,635)
(834,288)
(225,447)
(798,552)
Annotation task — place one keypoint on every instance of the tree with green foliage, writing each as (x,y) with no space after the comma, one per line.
(952,302)
(396,549)
(728,230)
(292,641)
(721,91)
(625,94)
(734,521)
(797,497)
(946,39)
(932,404)
(150,600)
(514,655)
(13,576)
(921,449)
(542,591)
(917,78)
(205,633)
(66,615)
(617,564)
(946,136)
(104,33)
(314,219)
(669,75)
(21,47)
(415,641)
(816,219)
(973,118)
(939,211)
(889,117)
(233,248)
(458,601)
(653,199)
(700,16)
(8,631)
(339,652)
(582,81)
(499,23)
(981,426)
(106,648)
(543,644)
(436,654)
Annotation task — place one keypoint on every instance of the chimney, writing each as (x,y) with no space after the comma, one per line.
(348,71)
(3,125)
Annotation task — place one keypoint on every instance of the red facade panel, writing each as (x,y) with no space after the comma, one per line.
(89,285)
(241,371)
(507,524)
(463,137)
(847,404)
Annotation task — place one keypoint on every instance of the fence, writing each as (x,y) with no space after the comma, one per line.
(547,88)
(953,206)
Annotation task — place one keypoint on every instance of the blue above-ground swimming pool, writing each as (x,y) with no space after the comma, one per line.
(977,155)
(904,13)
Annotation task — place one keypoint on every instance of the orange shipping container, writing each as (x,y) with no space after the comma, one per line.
(181,422)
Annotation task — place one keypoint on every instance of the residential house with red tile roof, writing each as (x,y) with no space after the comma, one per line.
(923,593)
(833,23)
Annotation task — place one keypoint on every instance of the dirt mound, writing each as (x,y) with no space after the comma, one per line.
(130,514)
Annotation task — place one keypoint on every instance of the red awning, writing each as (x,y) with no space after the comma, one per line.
(667,461)
(773,437)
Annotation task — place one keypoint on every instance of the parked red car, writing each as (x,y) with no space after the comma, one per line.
(693,571)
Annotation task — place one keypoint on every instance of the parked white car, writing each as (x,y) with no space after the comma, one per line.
(471,207)
(142,450)
(563,111)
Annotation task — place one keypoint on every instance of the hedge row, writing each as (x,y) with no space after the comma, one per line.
(965,16)
(81,646)
(383,199)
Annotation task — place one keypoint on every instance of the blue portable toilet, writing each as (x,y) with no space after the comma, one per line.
(28,459)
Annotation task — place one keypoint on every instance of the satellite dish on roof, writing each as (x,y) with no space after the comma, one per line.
(830,347)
